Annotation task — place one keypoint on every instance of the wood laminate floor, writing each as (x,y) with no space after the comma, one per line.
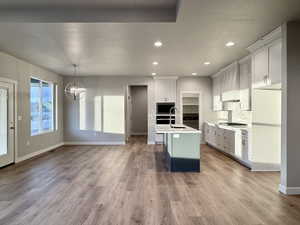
(116,185)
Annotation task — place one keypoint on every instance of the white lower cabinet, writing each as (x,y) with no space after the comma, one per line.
(220,139)
(226,140)
(206,133)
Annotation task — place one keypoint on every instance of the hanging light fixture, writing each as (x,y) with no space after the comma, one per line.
(74,89)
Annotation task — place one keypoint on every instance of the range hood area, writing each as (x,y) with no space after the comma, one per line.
(231,105)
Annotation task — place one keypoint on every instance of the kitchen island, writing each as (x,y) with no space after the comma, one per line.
(181,147)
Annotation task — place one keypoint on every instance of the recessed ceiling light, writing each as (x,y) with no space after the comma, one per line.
(207,63)
(194,74)
(230,44)
(155,63)
(158,44)
(153,74)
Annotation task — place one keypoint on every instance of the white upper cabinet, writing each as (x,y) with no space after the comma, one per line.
(230,83)
(275,63)
(217,103)
(261,67)
(245,83)
(266,59)
(165,89)
(267,65)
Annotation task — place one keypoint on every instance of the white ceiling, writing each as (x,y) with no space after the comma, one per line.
(200,33)
(87,3)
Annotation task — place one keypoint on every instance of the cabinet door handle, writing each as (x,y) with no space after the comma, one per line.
(266,79)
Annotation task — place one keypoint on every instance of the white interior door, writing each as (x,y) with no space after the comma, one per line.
(6,123)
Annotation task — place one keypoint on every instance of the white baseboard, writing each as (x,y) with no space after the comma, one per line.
(289,190)
(96,143)
(256,167)
(20,159)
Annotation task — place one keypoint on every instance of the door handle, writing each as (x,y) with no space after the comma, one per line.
(12,128)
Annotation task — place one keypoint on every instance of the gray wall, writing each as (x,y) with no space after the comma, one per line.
(139,118)
(290,106)
(21,71)
(103,86)
(117,85)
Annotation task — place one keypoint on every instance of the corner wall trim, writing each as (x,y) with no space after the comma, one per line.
(95,143)
(289,190)
(28,156)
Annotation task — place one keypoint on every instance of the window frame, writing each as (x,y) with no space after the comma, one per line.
(54,100)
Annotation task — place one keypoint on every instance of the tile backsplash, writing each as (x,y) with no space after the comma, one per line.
(238,116)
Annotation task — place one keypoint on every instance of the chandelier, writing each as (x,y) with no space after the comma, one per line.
(74,89)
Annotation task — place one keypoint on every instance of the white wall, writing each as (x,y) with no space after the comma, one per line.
(103,86)
(21,71)
(290,154)
(117,85)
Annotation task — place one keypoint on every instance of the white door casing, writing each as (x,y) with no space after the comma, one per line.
(7,123)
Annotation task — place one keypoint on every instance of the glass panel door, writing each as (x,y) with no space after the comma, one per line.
(3,121)
(7,123)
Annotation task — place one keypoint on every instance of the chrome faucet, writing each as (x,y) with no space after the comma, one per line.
(172,109)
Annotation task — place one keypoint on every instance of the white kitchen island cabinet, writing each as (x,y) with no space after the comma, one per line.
(181,147)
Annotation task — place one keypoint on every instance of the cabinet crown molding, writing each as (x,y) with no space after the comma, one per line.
(166,78)
(230,66)
(245,59)
(266,40)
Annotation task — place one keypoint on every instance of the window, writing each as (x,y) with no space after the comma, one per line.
(113,114)
(42,106)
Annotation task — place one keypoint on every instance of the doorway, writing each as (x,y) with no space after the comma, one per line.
(191,109)
(7,123)
(137,111)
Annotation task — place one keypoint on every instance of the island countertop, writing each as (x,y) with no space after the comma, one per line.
(164,129)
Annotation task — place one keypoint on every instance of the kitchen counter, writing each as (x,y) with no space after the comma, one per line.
(181,148)
(229,127)
(164,129)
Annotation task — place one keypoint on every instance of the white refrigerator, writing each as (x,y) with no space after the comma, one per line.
(266,130)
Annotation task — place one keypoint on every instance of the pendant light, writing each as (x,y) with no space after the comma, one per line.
(74,89)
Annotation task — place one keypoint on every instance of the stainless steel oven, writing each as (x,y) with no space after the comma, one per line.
(164,108)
